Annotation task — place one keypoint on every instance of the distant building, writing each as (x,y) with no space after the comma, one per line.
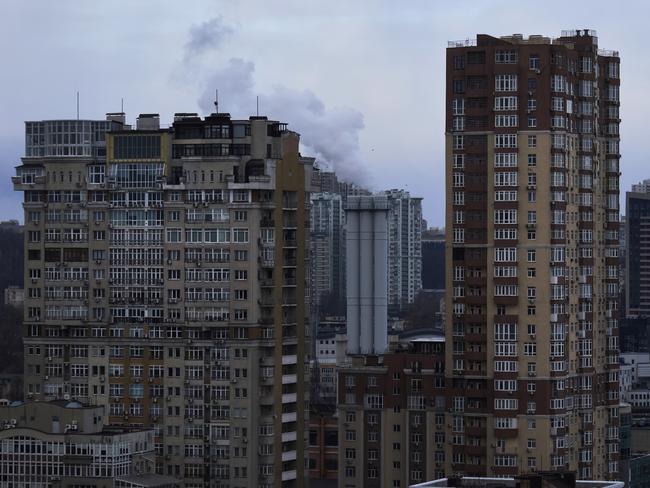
(634,334)
(637,255)
(66,444)
(404,249)
(327,264)
(11,386)
(433,261)
(14,296)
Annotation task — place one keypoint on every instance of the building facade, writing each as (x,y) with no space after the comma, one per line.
(532,168)
(165,273)
(323,443)
(391,416)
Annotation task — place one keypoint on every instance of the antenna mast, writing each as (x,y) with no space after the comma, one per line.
(77,105)
(216,101)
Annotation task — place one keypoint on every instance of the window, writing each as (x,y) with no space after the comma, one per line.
(505,141)
(505,82)
(505,121)
(533,61)
(505,178)
(505,56)
(532,141)
(505,103)
(531,255)
(505,254)
(240,235)
(505,160)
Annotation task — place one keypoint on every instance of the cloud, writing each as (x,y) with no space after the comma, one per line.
(206,36)
(331,135)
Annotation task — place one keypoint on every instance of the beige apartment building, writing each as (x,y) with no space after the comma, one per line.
(165,280)
(532,168)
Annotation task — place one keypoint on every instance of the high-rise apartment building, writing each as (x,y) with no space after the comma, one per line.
(165,279)
(327,266)
(404,248)
(637,251)
(532,168)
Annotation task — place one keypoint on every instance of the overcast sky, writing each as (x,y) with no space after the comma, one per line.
(362,81)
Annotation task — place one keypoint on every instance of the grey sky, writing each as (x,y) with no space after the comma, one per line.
(362,81)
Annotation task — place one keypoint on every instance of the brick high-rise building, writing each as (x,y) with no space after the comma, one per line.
(391,414)
(165,279)
(532,168)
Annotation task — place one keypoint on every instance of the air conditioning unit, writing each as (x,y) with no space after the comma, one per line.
(66,396)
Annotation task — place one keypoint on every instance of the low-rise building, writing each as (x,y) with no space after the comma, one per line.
(65,444)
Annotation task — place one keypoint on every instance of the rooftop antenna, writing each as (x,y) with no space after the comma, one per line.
(122,106)
(258,105)
(77,105)
(216,101)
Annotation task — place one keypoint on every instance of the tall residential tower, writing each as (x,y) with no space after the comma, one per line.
(165,276)
(532,168)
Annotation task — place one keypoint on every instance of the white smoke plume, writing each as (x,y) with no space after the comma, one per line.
(206,36)
(331,135)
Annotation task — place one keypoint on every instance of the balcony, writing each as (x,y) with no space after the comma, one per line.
(292,359)
(289,456)
(288,475)
(267,223)
(266,301)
